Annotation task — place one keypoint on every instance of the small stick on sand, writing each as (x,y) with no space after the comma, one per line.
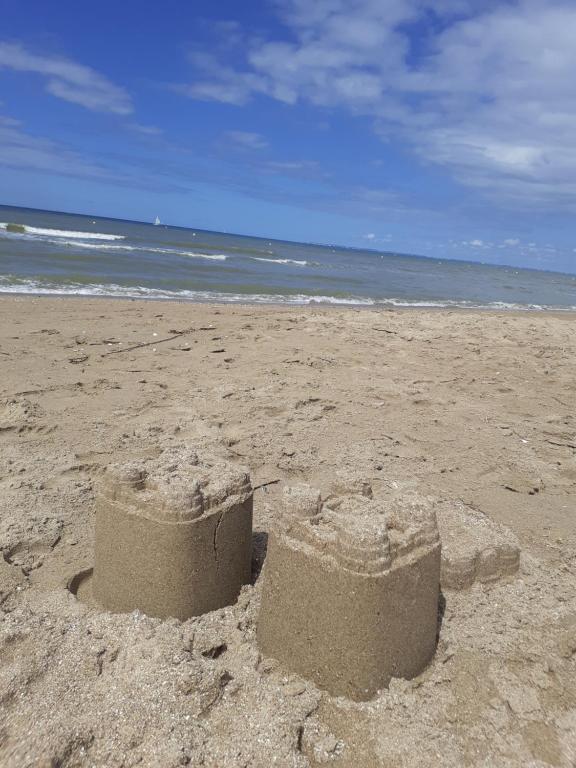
(562,445)
(264,485)
(148,343)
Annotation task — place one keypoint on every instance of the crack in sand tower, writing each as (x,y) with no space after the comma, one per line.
(350,590)
(163,525)
(215,542)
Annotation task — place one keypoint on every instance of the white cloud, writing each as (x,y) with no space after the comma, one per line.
(297,168)
(229,93)
(512,241)
(19,149)
(246,139)
(369,236)
(487,91)
(220,83)
(68,80)
(145,130)
(24,150)
(476,243)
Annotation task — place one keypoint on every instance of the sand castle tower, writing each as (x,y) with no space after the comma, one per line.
(350,591)
(173,535)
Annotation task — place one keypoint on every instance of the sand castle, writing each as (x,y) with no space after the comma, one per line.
(173,535)
(350,590)
(350,584)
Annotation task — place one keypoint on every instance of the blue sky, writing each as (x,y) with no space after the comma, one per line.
(442,128)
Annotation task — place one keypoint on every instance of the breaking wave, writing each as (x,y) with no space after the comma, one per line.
(27,230)
(38,287)
(142,249)
(14,285)
(281,261)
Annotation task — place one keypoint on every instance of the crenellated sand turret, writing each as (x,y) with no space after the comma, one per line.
(350,590)
(173,535)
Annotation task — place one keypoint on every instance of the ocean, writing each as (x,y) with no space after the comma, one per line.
(44,252)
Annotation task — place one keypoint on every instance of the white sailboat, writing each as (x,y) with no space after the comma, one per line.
(157,221)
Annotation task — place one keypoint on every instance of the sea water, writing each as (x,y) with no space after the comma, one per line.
(63,254)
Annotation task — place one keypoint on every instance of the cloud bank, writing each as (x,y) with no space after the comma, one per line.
(484,89)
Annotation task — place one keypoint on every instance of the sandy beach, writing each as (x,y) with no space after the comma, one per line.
(468,406)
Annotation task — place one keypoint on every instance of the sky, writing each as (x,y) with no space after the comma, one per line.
(443,128)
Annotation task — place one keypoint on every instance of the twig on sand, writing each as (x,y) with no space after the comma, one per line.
(149,343)
(104,341)
(264,485)
(385,330)
(563,445)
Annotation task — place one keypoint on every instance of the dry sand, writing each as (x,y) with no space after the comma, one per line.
(472,406)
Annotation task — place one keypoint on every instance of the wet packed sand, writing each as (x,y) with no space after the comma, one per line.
(473,406)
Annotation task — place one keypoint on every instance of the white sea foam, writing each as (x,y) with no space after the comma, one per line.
(281,261)
(448,303)
(63,233)
(209,256)
(16,286)
(92,246)
(143,249)
(141,292)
